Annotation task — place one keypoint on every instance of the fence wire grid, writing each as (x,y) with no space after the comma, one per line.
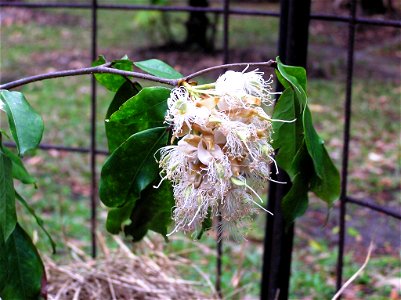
(279,290)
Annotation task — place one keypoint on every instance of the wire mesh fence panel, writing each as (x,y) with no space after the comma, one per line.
(92,27)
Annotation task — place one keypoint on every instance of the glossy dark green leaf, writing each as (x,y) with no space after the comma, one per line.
(302,162)
(2,132)
(287,137)
(38,220)
(151,212)
(206,225)
(3,262)
(295,202)
(282,80)
(143,111)
(327,187)
(296,76)
(118,133)
(301,152)
(8,215)
(116,217)
(131,167)
(26,276)
(25,124)
(313,142)
(136,234)
(158,68)
(113,81)
(125,92)
(18,169)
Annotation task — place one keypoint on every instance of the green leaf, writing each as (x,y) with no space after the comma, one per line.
(3,261)
(287,137)
(158,68)
(313,142)
(327,187)
(206,225)
(282,80)
(301,152)
(131,167)
(296,76)
(125,92)
(25,124)
(2,132)
(26,276)
(18,169)
(143,111)
(295,202)
(38,220)
(8,215)
(151,212)
(117,216)
(113,81)
(118,133)
(302,163)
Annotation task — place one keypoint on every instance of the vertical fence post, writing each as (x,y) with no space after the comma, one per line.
(226,15)
(293,46)
(92,149)
(219,243)
(347,137)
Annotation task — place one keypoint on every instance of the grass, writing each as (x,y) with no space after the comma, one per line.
(62,197)
(374,148)
(313,274)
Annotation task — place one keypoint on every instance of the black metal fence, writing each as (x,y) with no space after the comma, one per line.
(294,17)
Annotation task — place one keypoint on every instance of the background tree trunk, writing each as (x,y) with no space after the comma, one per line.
(371,7)
(197,27)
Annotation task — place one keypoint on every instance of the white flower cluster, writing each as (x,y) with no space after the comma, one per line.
(223,155)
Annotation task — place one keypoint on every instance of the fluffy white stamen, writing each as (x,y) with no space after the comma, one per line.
(223,155)
(240,84)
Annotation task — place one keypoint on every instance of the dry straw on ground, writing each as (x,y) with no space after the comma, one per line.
(120,274)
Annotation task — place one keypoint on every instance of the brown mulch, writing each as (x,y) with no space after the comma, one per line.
(121,274)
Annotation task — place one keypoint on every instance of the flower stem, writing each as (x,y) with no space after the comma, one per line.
(106,68)
(219,246)
(204,86)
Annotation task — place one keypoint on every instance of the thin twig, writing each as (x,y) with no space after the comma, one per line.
(102,69)
(107,69)
(238,290)
(76,294)
(219,246)
(106,252)
(200,272)
(271,63)
(124,247)
(61,291)
(349,281)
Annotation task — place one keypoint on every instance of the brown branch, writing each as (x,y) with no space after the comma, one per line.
(271,64)
(107,69)
(102,69)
